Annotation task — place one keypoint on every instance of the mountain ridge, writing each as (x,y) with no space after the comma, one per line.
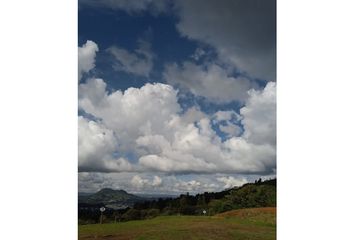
(110,197)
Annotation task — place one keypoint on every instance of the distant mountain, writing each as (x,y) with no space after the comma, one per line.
(110,198)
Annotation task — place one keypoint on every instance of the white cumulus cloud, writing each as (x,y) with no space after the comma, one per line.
(138,182)
(96,147)
(86,55)
(230,181)
(133,113)
(210,81)
(259,116)
(148,122)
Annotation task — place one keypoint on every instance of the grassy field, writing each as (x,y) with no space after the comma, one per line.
(251,224)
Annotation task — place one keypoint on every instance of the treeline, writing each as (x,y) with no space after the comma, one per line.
(251,195)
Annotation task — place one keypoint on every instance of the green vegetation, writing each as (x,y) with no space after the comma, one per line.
(247,196)
(255,224)
(251,195)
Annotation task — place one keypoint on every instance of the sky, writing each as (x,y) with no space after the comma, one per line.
(176,96)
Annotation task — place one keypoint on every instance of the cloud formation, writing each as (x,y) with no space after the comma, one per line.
(138,182)
(242,32)
(133,113)
(230,181)
(210,81)
(259,116)
(97,145)
(138,62)
(86,55)
(141,139)
(155,6)
(148,122)
(158,183)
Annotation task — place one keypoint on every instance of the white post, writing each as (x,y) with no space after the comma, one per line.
(102,209)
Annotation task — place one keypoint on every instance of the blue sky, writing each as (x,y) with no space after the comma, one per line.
(173,101)
(106,27)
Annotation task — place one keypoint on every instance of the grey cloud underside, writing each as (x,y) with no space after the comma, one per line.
(243,32)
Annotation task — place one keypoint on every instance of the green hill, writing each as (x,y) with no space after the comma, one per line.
(255,224)
(250,195)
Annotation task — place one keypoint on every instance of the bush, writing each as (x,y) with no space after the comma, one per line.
(151,213)
(131,214)
(219,206)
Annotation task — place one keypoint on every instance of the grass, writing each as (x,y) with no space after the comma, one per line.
(251,224)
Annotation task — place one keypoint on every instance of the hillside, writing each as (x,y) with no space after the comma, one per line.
(260,225)
(250,195)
